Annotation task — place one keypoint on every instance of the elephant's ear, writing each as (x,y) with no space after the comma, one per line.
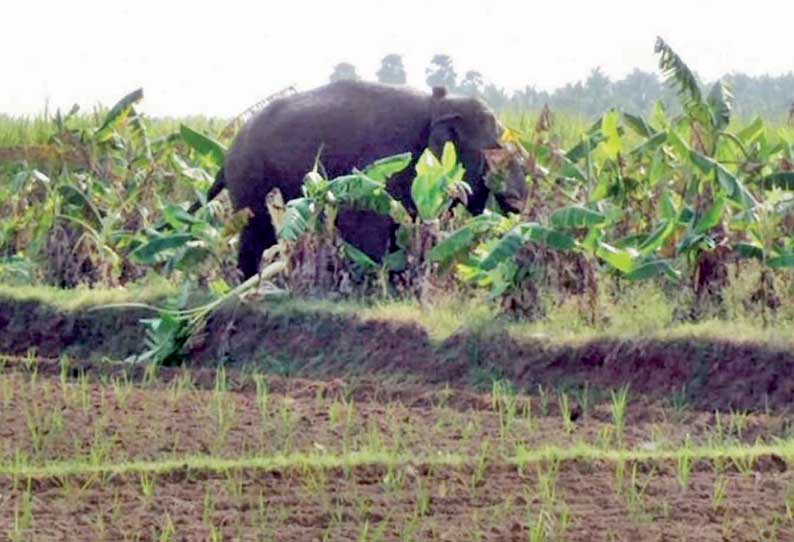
(443,122)
(443,129)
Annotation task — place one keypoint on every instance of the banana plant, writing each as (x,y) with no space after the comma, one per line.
(179,240)
(438,183)
(316,211)
(767,242)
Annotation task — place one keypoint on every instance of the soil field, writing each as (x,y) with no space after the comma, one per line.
(723,374)
(100,452)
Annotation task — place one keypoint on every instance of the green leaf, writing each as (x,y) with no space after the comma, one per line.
(591,240)
(660,168)
(145,254)
(751,132)
(465,237)
(602,189)
(655,241)
(381,170)
(784,260)
(505,248)
(176,216)
(192,257)
(74,196)
(395,261)
(433,179)
(449,158)
(678,74)
(652,269)
(204,145)
(729,182)
(639,125)
(720,101)
(554,239)
(624,260)
(670,209)
(734,187)
(197,174)
(576,216)
(783,180)
(632,240)
(609,126)
(692,240)
(296,219)
(361,192)
(359,258)
(460,241)
(712,217)
(749,250)
(744,220)
(570,170)
(586,147)
(485,222)
(117,114)
(399,214)
(659,115)
(650,145)
(680,147)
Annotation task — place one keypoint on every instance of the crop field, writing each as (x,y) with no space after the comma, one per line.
(187,455)
(613,362)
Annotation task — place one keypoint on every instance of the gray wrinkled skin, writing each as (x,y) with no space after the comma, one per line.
(349,125)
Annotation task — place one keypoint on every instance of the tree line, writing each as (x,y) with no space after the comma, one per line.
(769,96)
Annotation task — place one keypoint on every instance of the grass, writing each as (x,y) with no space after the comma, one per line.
(80,298)
(211,434)
(17,131)
(301,461)
(652,320)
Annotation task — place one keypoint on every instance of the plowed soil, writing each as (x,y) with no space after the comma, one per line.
(710,374)
(455,474)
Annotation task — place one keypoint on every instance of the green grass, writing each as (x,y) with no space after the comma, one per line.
(638,312)
(576,453)
(83,297)
(17,131)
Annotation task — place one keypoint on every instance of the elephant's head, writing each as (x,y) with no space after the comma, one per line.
(476,133)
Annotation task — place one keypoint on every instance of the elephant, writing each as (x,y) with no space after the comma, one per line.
(346,125)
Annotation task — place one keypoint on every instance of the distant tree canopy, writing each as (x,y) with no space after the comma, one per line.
(472,83)
(637,92)
(392,71)
(441,73)
(344,70)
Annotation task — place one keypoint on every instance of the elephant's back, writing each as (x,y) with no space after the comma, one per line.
(346,124)
(335,110)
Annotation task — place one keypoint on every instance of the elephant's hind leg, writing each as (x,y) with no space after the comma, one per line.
(257,235)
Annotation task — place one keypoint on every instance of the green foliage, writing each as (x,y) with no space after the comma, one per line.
(678,73)
(204,145)
(632,198)
(436,180)
(102,214)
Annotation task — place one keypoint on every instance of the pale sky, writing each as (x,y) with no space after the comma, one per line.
(217,58)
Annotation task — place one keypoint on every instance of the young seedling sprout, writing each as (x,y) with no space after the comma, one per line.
(565,412)
(618,410)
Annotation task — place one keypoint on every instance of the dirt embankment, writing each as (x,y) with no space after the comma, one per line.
(703,372)
(47,156)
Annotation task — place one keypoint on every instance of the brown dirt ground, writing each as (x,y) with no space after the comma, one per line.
(711,374)
(42,155)
(177,413)
(300,506)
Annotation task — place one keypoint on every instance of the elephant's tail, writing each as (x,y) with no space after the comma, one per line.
(215,189)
